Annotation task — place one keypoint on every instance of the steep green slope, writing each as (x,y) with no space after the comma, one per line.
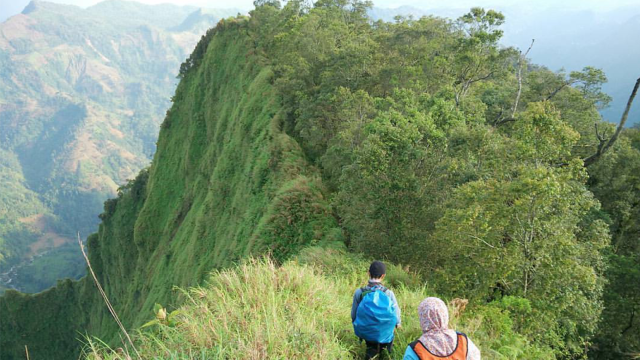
(226,182)
(80,108)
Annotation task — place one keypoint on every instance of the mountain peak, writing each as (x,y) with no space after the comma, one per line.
(197,21)
(47,6)
(31,7)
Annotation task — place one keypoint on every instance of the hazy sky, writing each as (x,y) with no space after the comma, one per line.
(565,38)
(12,7)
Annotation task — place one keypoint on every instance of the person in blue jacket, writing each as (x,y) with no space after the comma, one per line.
(377,272)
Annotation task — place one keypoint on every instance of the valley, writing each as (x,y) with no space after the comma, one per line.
(80,108)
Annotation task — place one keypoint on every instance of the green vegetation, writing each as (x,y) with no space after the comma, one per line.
(421,142)
(300,310)
(438,164)
(616,182)
(16,201)
(46,269)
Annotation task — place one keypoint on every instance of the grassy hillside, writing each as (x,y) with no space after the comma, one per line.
(301,310)
(226,182)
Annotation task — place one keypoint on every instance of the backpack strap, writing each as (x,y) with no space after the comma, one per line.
(414,344)
(366,289)
(382,288)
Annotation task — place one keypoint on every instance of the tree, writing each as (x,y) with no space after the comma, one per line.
(605,142)
(615,181)
(524,232)
(384,196)
(477,57)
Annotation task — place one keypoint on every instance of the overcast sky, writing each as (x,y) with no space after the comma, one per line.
(12,7)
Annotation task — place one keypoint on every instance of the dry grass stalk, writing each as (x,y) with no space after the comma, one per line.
(106,299)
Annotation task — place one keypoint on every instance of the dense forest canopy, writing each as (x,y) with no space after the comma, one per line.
(569,35)
(447,152)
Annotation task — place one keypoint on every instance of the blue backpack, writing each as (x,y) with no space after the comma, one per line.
(375,316)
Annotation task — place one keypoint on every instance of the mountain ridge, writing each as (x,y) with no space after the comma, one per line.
(188,182)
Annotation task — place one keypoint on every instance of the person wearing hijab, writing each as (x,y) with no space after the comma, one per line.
(438,342)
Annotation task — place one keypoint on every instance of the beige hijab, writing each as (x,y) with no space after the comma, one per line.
(436,335)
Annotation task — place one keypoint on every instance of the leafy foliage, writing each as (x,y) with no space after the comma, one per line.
(434,174)
(615,181)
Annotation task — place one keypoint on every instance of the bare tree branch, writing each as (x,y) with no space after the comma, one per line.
(605,144)
(521,61)
(471,81)
(514,109)
(504,121)
(557,90)
(481,240)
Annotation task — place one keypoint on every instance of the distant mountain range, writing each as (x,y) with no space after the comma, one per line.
(82,93)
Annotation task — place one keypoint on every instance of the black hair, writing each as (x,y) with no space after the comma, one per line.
(377,269)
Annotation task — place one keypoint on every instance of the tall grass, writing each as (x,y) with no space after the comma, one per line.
(300,310)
